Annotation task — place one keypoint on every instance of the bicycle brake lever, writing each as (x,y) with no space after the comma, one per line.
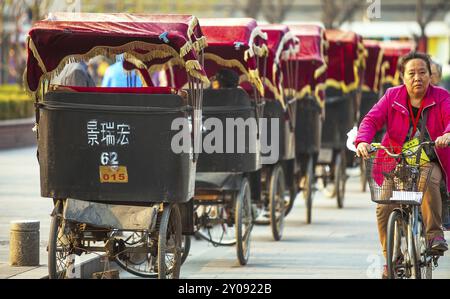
(372,149)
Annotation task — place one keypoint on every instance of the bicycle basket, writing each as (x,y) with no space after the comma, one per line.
(391,182)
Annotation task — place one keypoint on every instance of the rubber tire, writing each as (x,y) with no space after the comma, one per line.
(390,238)
(425,272)
(277,179)
(308,193)
(186,248)
(340,179)
(293,191)
(54,231)
(243,198)
(169,212)
(412,248)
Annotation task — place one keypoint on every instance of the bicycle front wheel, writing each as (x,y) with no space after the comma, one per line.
(397,246)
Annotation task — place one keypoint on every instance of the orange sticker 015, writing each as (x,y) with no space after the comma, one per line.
(113,174)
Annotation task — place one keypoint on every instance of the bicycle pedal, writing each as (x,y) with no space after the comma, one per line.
(435,263)
(436,253)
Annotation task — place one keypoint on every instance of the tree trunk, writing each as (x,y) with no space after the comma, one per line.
(2,42)
(275,10)
(421,40)
(329,13)
(250,8)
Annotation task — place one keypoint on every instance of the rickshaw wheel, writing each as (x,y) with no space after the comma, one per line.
(169,243)
(277,202)
(243,222)
(185,248)
(223,234)
(293,191)
(289,204)
(59,244)
(308,189)
(142,267)
(340,178)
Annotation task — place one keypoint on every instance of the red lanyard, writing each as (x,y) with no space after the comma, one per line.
(415,121)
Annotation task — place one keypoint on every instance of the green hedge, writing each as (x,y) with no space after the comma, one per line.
(15,103)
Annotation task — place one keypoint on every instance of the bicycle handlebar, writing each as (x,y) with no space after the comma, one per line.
(380,147)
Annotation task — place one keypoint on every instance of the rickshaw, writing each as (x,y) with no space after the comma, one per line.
(310,74)
(105,155)
(392,52)
(371,90)
(227,173)
(342,97)
(278,173)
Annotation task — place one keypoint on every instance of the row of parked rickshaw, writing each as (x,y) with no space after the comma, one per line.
(107,155)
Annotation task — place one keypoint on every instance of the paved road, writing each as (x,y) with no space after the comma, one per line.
(339,243)
(20,197)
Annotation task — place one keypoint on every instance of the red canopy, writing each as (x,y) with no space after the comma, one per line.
(346,56)
(282,45)
(151,39)
(392,52)
(311,62)
(372,72)
(236,44)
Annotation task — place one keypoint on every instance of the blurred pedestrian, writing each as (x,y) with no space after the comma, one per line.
(12,67)
(74,74)
(436,73)
(117,76)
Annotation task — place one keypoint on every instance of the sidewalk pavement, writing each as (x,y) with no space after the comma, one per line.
(9,272)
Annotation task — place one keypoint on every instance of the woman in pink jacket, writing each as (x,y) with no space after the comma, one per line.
(401,110)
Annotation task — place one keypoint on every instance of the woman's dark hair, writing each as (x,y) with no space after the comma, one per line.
(414,55)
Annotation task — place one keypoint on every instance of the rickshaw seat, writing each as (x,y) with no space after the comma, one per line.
(217,181)
(134,90)
(158,96)
(226,97)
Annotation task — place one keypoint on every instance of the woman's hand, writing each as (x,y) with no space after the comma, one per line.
(443,141)
(363,150)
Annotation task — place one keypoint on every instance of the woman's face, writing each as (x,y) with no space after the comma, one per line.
(416,78)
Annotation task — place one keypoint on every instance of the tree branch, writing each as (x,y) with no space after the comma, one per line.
(275,11)
(285,9)
(441,6)
(419,13)
(349,10)
(270,11)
